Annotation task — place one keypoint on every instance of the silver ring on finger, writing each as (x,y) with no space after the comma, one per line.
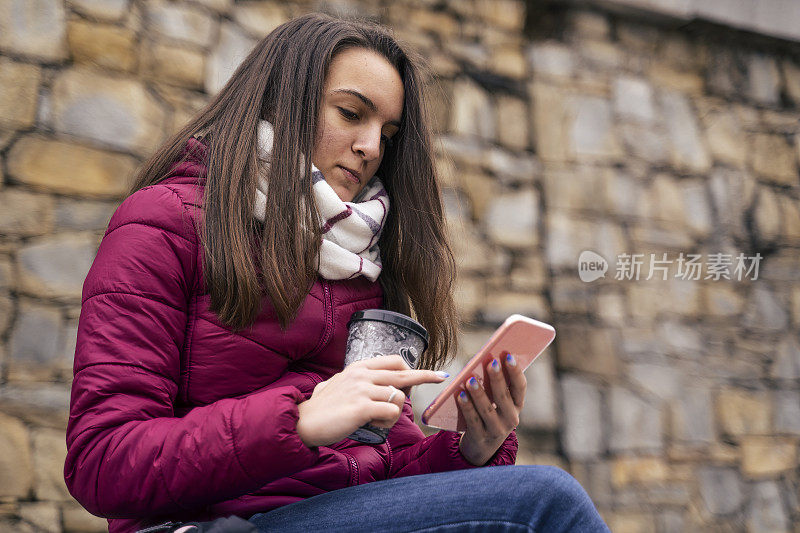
(391,396)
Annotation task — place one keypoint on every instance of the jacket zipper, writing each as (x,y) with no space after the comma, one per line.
(327,304)
(353,469)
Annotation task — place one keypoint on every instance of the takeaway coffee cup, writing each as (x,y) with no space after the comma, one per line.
(376,332)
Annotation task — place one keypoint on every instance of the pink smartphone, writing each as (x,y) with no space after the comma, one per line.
(523,337)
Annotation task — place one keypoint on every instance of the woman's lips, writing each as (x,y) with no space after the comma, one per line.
(352,177)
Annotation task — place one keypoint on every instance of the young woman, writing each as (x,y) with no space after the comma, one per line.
(208,370)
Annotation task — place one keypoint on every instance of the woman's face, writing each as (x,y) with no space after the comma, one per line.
(361,110)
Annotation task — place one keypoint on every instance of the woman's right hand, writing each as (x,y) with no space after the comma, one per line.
(357,395)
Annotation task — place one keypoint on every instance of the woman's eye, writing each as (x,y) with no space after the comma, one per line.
(349,115)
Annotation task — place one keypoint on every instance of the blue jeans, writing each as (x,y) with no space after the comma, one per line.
(490,499)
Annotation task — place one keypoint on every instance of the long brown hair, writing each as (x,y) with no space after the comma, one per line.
(282,80)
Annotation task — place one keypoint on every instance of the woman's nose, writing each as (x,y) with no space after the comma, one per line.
(368,144)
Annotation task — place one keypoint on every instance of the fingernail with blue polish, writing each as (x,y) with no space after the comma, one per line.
(442,374)
(473,383)
(495,365)
(462,396)
(510,360)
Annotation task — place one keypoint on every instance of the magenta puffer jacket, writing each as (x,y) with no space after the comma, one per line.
(174,416)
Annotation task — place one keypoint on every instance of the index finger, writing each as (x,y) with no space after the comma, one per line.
(385,362)
(407,378)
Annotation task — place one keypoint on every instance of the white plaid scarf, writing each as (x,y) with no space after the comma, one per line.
(350,230)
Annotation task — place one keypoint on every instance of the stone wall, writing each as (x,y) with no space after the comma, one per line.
(675,400)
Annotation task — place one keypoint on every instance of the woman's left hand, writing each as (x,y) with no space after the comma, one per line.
(488,425)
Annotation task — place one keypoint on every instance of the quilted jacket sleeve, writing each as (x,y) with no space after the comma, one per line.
(412,453)
(127,453)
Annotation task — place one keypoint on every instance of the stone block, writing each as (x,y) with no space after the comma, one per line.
(663,382)
(259,18)
(44,516)
(473,112)
(732,194)
(469,296)
(512,122)
(111,111)
(740,412)
(512,167)
(571,296)
(633,99)
(647,143)
(176,65)
(611,308)
(56,266)
(76,519)
(688,150)
(765,510)
(692,416)
(528,272)
(786,365)
(82,215)
(576,188)
(438,100)
(34,345)
(471,251)
(67,168)
(787,412)
(19,84)
(512,219)
(622,193)
(567,236)
(233,46)
(7,276)
(791,74)
(540,410)
(767,216)
(763,79)
(768,456)
(676,79)
(6,317)
(773,159)
(550,119)
(39,404)
(438,23)
(591,132)
(34,28)
(635,423)
(500,305)
(108,10)
(103,45)
(627,471)
(764,311)
(723,300)
(16,467)
(181,22)
(721,489)
(726,138)
(49,454)
(507,15)
(551,58)
(588,24)
(631,522)
(583,420)
(25,214)
(671,522)
(684,341)
(509,61)
(790,213)
(480,190)
(592,350)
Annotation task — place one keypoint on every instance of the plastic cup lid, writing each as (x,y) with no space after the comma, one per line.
(390,317)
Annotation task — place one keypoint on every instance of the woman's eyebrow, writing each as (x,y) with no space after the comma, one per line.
(369,103)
